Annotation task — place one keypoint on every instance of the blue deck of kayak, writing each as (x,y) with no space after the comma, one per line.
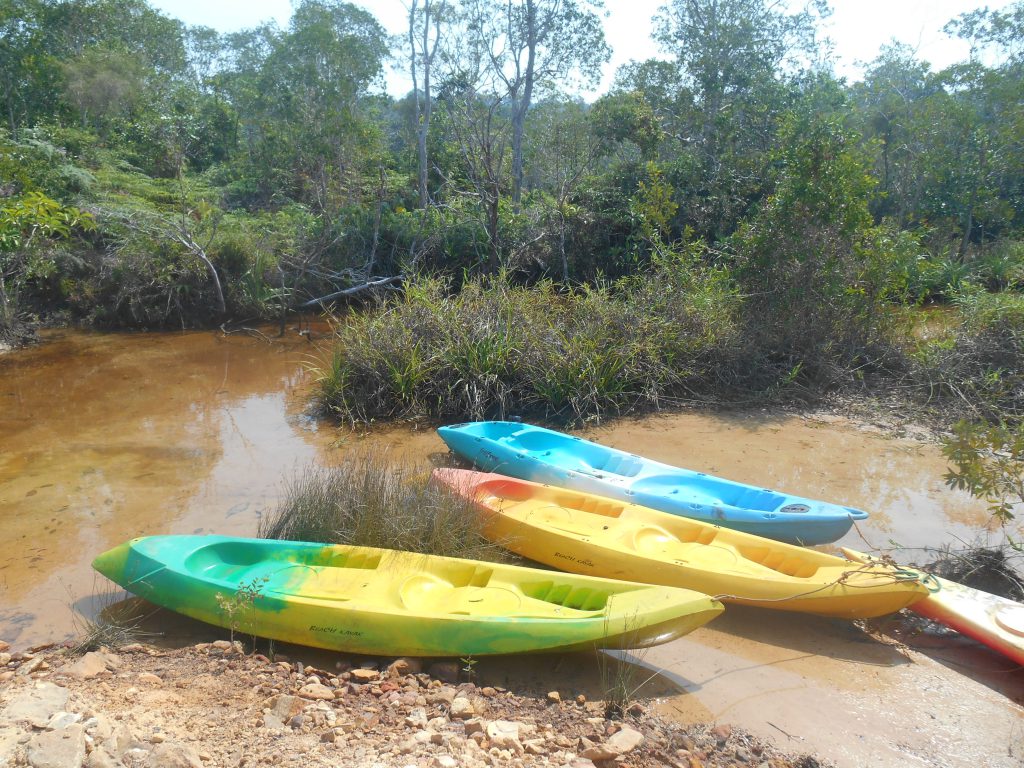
(554,458)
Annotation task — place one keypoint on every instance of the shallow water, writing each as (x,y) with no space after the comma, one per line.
(105,437)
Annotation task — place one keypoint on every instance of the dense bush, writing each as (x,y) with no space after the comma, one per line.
(495,349)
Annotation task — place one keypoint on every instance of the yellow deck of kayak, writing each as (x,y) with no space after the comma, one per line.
(587,534)
(383,602)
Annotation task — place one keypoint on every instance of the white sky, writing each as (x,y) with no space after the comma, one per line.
(857,27)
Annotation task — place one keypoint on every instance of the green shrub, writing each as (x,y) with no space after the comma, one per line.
(495,349)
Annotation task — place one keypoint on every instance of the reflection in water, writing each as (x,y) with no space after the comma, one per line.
(107,437)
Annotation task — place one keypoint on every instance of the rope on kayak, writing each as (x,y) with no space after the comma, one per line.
(898,576)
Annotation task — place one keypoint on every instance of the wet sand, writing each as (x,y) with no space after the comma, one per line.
(106,437)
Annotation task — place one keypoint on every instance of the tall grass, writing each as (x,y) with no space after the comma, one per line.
(495,348)
(369,500)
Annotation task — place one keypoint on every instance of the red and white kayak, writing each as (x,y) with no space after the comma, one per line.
(989,619)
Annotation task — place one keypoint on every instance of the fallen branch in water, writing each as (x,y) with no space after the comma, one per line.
(379,283)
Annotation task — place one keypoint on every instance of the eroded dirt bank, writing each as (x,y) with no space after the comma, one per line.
(210,705)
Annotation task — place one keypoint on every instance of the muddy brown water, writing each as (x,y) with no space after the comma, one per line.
(104,437)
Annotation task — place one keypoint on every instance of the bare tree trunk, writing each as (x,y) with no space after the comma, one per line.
(519,115)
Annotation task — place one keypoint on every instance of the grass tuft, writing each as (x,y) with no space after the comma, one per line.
(370,501)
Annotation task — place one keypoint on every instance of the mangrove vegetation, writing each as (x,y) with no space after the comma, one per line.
(729,222)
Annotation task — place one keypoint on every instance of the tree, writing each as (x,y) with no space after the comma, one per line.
(424,38)
(533,47)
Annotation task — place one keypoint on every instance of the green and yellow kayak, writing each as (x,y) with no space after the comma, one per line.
(593,535)
(383,602)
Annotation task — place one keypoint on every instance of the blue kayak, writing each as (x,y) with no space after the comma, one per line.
(553,458)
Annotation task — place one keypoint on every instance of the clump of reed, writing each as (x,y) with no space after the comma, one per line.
(370,500)
(495,348)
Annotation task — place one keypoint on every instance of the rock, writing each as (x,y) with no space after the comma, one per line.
(504,734)
(404,666)
(57,749)
(296,722)
(722,732)
(4,645)
(285,707)
(35,706)
(173,755)
(448,671)
(222,645)
(316,691)
(444,761)
(619,743)
(417,718)
(443,695)
(363,676)
(461,709)
(31,666)
(148,678)
(272,722)
(554,697)
(476,725)
(581,699)
(100,758)
(61,720)
(87,667)
(535,747)
(4,659)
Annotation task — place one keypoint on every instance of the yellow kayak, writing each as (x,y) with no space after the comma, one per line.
(990,619)
(389,603)
(592,535)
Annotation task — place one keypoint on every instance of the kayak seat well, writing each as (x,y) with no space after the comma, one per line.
(779,560)
(594,505)
(427,593)
(567,595)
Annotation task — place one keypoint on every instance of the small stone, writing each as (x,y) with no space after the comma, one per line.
(87,667)
(364,676)
(417,718)
(4,645)
(61,720)
(448,671)
(222,645)
(476,725)
(535,747)
(504,734)
(296,722)
(149,678)
(722,732)
(272,722)
(31,666)
(316,691)
(4,659)
(581,699)
(444,761)
(625,740)
(404,666)
(554,697)
(462,708)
